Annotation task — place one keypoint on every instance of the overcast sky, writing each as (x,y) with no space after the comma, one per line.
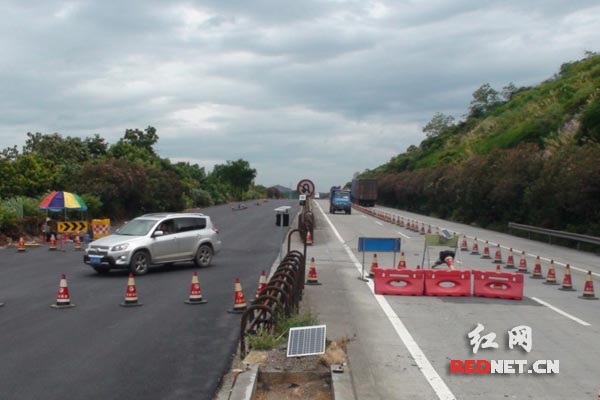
(300,89)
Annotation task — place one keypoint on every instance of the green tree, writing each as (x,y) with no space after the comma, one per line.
(136,145)
(439,123)
(484,99)
(237,174)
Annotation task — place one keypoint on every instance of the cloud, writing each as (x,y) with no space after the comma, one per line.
(315,89)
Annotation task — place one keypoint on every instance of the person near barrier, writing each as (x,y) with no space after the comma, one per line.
(49,228)
(442,260)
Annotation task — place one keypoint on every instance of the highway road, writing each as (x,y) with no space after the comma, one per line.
(98,350)
(402,346)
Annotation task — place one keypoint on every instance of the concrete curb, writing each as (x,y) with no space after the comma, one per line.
(244,388)
(245,385)
(341,382)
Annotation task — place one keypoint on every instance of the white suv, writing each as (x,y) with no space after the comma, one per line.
(155,239)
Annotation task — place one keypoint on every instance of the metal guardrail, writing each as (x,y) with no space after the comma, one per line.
(553,233)
(282,294)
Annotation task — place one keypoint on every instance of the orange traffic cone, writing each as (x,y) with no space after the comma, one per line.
(52,243)
(21,245)
(567,284)
(510,261)
(401,262)
(239,301)
(62,299)
(131,299)
(537,269)
(312,274)
(523,264)
(309,240)
(475,248)
(588,289)
(429,229)
(195,293)
(463,244)
(77,242)
(486,251)
(551,277)
(498,255)
(422,228)
(401,223)
(262,283)
(374,265)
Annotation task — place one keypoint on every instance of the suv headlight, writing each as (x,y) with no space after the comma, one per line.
(120,247)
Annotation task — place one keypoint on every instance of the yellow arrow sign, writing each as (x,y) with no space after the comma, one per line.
(72,226)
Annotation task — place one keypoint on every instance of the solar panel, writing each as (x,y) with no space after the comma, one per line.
(306,341)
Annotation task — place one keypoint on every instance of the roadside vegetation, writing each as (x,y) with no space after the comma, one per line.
(117,181)
(268,340)
(529,155)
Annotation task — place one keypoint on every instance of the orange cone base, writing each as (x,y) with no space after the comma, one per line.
(69,305)
(196,301)
(550,283)
(486,256)
(130,304)
(589,297)
(475,253)
(237,310)
(509,267)
(312,283)
(536,277)
(567,289)
(524,271)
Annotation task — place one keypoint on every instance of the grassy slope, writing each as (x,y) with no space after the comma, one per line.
(536,114)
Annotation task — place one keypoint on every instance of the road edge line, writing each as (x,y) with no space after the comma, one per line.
(431,376)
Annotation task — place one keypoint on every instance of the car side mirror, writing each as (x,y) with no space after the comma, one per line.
(158,233)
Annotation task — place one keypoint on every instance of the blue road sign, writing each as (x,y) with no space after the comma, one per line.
(379,245)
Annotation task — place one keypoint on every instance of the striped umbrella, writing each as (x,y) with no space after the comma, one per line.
(58,201)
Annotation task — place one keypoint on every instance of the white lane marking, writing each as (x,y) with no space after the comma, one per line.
(378,223)
(402,234)
(434,379)
(561,312)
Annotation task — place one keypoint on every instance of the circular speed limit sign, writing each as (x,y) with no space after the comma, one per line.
(306,186)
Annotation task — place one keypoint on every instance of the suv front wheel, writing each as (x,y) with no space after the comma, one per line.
(203,256)
(140,262)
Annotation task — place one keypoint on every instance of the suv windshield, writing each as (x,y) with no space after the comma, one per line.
(137,227)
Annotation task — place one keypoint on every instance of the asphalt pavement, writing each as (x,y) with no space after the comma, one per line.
(164,349)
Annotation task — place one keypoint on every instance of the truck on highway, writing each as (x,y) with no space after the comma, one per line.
(364,192)
(339,200)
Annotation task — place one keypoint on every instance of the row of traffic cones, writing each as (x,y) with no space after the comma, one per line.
(63,299)
(52,244)
(567,283)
